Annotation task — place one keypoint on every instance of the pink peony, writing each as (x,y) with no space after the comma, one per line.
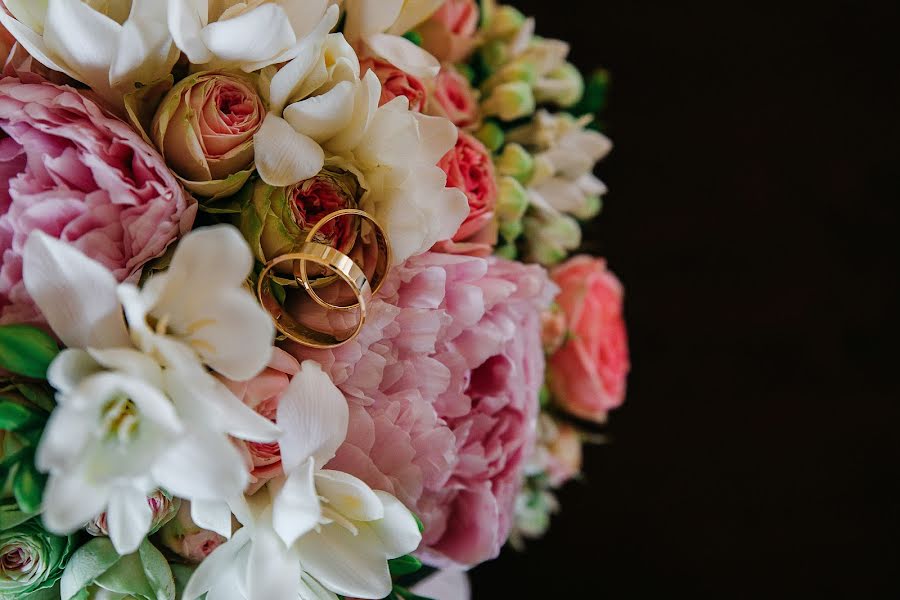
(443,388)
(395,83)
(450,33)
(69,169)
(262,394)
(588,374)
(453,98)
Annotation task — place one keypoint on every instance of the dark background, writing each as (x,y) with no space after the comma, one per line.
(753,217)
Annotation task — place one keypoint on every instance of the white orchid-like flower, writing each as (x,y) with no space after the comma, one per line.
(126,422)
(110,45)
(322,110)
(245,34)
(316,532)
(377,27)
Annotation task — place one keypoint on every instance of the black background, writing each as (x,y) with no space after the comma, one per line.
(753,217)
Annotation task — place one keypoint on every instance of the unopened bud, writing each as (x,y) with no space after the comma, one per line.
(512,199)
(491,135)
(517,162)
(505,21)
(519,70)
(563,86)
(510,101)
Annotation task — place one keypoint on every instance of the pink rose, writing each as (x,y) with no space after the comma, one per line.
(588,374)
(443,386)
(183,537)
(395,83)
(262,394)
(204,128)
(163,507)
(69,169)
(449,34)
(453,98)
(469,168)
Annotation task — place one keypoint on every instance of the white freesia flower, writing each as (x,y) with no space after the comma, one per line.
(245,34)
(127,424)
(110,45)
(377,27)
(315,533)
(322,110)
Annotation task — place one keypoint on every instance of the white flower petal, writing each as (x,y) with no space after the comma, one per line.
(347,564)
(273,572)
(398,530)
(130,362)
(65,436)
(445,585)
(322,117)
(69,502)
(86,38)
(310,589)
(76,294)
(414,13)
(404,55)
(212,515)
(128,518)
(145,51)
(365,17)
(202,465)
(307,44)
(32,13)
(368,94)
(283,156)
(69,368)
(313,416)
(34,44)
(296,509)
(350,496)
(255,36)
(186,20)
(304,15)
(216,566)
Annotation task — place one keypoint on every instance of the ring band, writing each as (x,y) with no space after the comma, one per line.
(382,266)
(338,262)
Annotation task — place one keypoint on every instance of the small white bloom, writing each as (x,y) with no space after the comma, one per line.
(109,46)
(316,532)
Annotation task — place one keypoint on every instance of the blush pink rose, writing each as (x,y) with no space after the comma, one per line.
(450,33)
(69,169)
(453,98)
(396,83)
(185,539)
(469,168)
(443,386)
(262,394)
(588,373)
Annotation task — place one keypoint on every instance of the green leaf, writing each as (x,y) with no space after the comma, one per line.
(28,487)
(182,574)
(26,350)
(157,571)
(87,564)
(127,577)
(404,565)
(14,416)
(405,594)
(419,523)
(37,394)
(11,516)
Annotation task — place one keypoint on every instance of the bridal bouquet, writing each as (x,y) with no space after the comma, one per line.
(285,304)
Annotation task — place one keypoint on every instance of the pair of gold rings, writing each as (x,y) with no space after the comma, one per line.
(340,264)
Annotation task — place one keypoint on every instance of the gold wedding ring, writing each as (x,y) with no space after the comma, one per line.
(340,264)
(382,266)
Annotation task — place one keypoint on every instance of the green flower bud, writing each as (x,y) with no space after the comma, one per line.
(494,54)
(563,86)
(551,236)
(590,209)
(512,199)
(516,71)
(507,251)
(516,162)
(31,559)
(491,135)
(506,21)
(511,230)
(510,101)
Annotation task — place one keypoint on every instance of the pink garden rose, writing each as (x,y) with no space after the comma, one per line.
(449,34)
(453,98)
(396,83)
(443,389)
(163,507)
(188,541)
(69,169)
(262,394)
(588,373)
(469,168)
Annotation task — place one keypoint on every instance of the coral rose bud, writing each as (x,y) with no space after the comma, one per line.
(204,128)
(449,34)
(453,98)
(588,374)
(395,83)
(183,537)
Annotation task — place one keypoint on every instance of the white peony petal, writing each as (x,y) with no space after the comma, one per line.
(404,55)
(202,465)
(61,514)
(313,416)
(273,571)
(296,510)
(283,156)
(350,496)
(255,36)
(216,566)
(398,530)
(128,518)
(212,515)
(347,564)
(76,294)
(187,18)
(322,117)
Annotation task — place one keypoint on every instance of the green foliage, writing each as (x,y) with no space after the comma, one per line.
(144,574)
(26,350)
(47,552)
(404,565)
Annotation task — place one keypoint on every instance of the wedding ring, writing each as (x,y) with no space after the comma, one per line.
(340,264)
(382,265)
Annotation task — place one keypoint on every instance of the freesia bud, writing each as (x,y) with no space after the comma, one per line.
(590,209)
(491,135)
(512,201)
(551,236)
(519,70)
(510,101)
(516,162)
(494,54)
(511,230)
(563,86)
(506,21)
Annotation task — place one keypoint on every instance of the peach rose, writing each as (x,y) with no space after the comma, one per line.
(395,83)
(453,98)
(449,34)
(587,375)
(262,394)
(188,541)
